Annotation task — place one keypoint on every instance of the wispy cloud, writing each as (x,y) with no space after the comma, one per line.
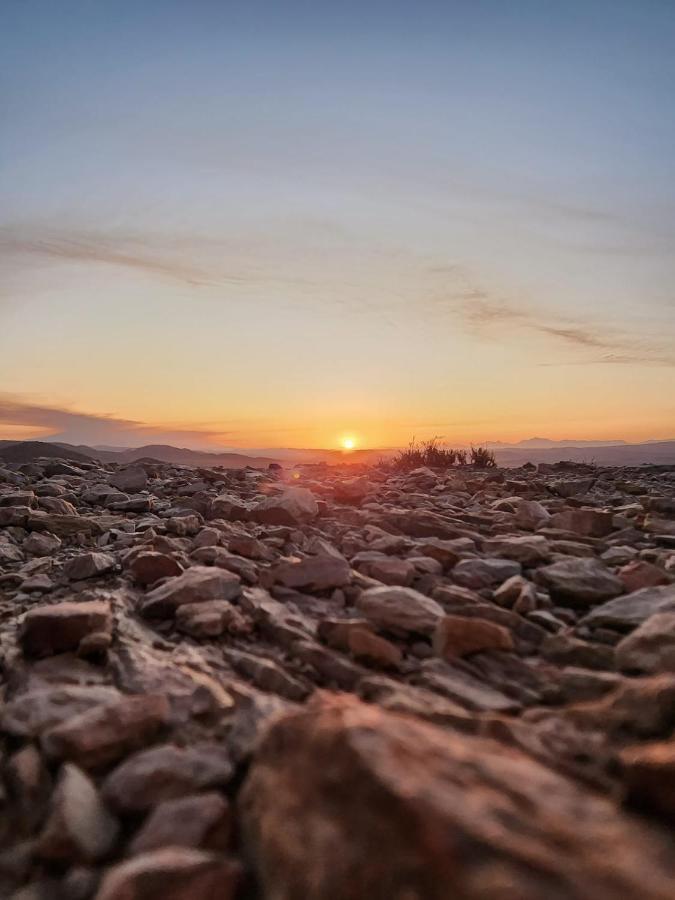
(68,426)
(126,250)
(579,336)
(485,315)
(195,260)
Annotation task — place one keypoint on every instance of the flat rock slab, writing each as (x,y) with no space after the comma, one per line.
(195,585)
(626,613)
(62,626)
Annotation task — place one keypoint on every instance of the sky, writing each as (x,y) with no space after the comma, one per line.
(281,224)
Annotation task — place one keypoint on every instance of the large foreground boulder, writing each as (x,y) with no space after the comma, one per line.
(346,801)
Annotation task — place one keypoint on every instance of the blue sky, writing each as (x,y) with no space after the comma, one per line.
(270,223)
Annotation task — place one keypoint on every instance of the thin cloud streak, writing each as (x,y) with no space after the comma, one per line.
(62,424)
(155,254)
(487,316)
(128,252)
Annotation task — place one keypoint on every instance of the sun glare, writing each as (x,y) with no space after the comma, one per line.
(348,443)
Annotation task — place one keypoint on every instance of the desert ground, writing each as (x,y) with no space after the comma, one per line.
(336,682)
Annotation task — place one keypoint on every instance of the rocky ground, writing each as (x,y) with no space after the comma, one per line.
(336,684)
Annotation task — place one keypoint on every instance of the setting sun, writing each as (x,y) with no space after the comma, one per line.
(348,443)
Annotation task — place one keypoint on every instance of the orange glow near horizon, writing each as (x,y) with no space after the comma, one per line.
(348,443)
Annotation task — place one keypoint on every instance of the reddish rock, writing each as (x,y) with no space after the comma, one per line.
(292,507)
(354,636)
(35,711)
(41,544)
(407,809)
(57,505)
(79,828)
(648,772)
(446,552)
(102,735)
(248,546)
(211,619)
(129,480)
(641,574)
(586,522)
(579,582)
(195,585)
(199,820)
(88,565)
(372,649)
(172,873)
(651,647)
(458,636)
(530,514)
(352,491)
(387,569)
(484,573)
(316,573)
(164,773)
(58,628)
(399,609)
(625,613)
(530,550)
(62,526)
(148,567)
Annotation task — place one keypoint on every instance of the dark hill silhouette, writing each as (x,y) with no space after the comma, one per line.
(655,452)
(27,451)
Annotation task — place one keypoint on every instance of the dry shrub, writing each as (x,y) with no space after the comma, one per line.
(434,456)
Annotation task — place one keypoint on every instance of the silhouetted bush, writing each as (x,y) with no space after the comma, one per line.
(483,458)
(430,453)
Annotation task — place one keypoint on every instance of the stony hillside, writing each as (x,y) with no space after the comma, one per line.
(336,686)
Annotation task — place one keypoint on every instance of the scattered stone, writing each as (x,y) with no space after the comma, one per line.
(100,736)
(195,585)
(649,776)
(172,873)
(130,480)
(165,773)
(458,636)
(88,565)
(399,609)
(148,567)
(294,506)
(201,821)
(47,630)
(484,573)
(211,619)
(587,522)
(579,582)
(530,515)
(640,574)
(316,573)
(626,613)
(79,828)
(41,543)
(651,647)
(530,550)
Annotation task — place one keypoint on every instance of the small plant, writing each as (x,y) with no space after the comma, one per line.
(431,454)
(483,458)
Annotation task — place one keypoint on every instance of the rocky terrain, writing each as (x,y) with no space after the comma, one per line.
(336,683)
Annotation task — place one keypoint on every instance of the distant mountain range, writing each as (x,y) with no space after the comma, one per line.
(534,450)
(539,443)
(25,451)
